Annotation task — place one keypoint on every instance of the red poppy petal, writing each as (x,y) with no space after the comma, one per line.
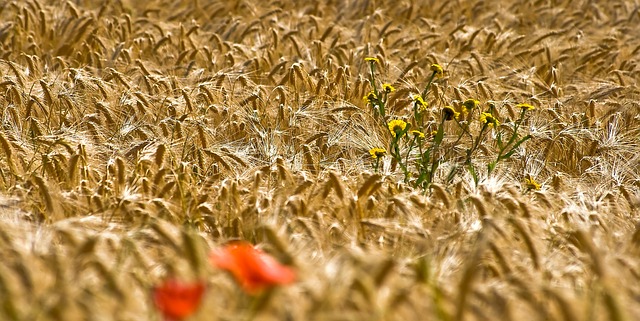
(177,300)
(274,271)
(252,268)
(224,259)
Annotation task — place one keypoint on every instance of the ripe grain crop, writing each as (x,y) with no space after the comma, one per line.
(405,160)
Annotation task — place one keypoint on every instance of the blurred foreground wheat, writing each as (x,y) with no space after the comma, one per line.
(138,135)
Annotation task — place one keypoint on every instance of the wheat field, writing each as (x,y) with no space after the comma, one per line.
(137,136)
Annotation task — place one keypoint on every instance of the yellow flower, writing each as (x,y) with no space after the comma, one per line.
(450,113)
(397,126)
(469,104)
(525,106)
(388,88)
(530,183)
(437,70)
(417,133)
(370,97)
(422,105)
(489,120)
(434,133)
(372,60)
(377,152)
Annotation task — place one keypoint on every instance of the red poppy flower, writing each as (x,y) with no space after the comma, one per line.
(177,300)
(252,268)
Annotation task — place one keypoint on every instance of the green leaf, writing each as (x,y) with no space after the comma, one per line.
(452,174)
(421,178)
(406,129)
(435,165)
(439,135)
(524,139)
(490,167)
(472,170)
(507,155)
(426,156)
(513,149)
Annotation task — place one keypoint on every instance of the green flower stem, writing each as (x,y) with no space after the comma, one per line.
(396,155)
(426,89)
(458,139)
(383,103)
(511,145)
(416,114)
(501,153)
(435,161)
(372,78)
(475,144)
(413,140)
(420,164)
(464,130)
(516,127)
(402,166)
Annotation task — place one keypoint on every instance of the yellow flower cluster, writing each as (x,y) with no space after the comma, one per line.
(422,105)
(372,60)
(530,183)
(370,97)
(525,106)
(388,88)
(469,104)
(489,120)
(449,113)
(417,134)
(377,152)
(397,126)
(437,70)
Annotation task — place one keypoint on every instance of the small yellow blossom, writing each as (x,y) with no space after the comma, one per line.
(450,113)
(370,97)
(372,60)
(422,105)
(434,133)
(417,134)
(437,70)
(525,106)
(377,152)
(469,104)
(489,120)
(388,88)
(397,126)
(530,183)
